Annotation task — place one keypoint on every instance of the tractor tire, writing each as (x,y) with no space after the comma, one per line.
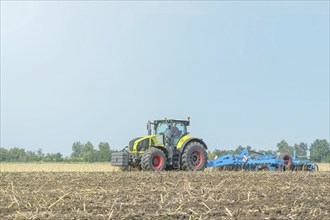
(153,159)
(194,157)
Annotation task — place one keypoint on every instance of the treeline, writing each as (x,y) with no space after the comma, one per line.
(81,152)
(85,152)
(319,150)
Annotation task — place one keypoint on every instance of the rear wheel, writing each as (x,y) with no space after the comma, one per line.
(153,159)
(194,157)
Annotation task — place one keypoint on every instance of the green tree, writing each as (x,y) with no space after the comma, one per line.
(88,147)
(53,157)
(89,154)
(3,154)
(217,152)
(77,150)
(270,152)
(17,154)
(266,151)
(301,149)
(284,148)
(58,157)
(32,156)
(320,150)
(104,152)
(211,155)
(40,154)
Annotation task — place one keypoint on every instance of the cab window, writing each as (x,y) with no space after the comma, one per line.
(161,127)
(181,127)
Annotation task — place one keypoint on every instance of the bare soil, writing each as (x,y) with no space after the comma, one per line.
(165,195)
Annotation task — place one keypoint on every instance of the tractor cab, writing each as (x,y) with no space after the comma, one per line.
(171,129)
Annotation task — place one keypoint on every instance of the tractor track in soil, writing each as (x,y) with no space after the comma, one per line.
(165,195)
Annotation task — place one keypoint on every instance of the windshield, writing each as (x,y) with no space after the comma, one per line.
(161,127)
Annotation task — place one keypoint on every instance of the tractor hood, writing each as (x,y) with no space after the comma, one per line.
(143,143)
(132,142)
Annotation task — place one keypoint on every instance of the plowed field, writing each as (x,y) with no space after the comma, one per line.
(165,195)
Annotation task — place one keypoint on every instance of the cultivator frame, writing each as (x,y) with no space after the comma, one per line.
(250,160)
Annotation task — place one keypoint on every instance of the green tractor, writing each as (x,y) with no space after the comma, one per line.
(168,146)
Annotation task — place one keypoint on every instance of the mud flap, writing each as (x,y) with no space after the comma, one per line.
(120,159)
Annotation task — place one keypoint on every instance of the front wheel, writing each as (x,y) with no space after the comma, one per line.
(194,157)
(153,159)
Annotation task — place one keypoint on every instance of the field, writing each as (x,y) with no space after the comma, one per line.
(57,167)
(78,167)
(164,195)
(324,166)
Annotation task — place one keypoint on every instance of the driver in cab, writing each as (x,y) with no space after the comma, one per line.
(175,131)
(172,131)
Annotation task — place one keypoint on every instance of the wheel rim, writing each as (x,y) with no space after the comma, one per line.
(157,161)
(196,158)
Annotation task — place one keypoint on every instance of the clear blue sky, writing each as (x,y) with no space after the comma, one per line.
(247,72)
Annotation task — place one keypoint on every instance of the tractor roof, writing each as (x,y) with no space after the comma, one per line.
(184,121)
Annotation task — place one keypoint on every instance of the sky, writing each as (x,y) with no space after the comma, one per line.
(247,72)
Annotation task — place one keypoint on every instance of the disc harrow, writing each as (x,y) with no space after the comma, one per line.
(254,161)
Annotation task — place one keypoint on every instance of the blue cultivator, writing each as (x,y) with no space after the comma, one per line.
(249,160)
(302,165)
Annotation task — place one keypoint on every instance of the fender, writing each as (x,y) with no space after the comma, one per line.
(191,139)
(162,149)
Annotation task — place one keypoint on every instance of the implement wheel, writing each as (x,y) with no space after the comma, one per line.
(312,167)
(194,157)
(153,159)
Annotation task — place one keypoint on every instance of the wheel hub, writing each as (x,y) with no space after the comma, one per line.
(196,158)
(157,161)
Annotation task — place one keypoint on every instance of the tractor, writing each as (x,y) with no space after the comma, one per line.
(168,146)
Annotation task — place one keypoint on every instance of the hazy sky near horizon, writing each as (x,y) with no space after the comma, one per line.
(247,72)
